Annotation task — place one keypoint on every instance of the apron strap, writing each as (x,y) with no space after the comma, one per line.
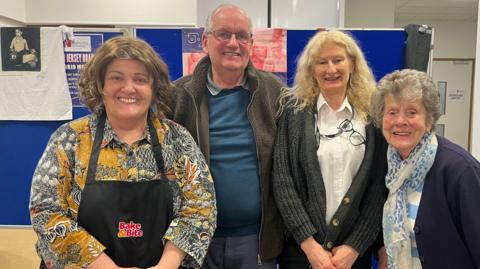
(156,148)
(92,164)
(42,265)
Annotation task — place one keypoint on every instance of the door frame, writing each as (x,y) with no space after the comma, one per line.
(472,81)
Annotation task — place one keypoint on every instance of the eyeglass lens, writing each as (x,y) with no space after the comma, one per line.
(222,35)
(345,126)
(356,138)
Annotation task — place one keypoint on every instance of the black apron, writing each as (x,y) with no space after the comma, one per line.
(128,218)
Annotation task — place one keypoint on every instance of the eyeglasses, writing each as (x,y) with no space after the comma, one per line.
(345,126)
(225,36)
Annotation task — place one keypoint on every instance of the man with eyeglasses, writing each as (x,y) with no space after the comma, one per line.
(229,108)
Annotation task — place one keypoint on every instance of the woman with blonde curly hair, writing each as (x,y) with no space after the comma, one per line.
(329,161)
(124,186)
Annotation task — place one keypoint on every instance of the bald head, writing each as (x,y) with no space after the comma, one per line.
(220,10)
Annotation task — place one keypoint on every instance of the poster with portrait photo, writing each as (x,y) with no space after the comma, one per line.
(20,49)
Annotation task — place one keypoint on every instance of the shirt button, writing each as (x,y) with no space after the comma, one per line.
(346,200)
(330,245)
(335,222)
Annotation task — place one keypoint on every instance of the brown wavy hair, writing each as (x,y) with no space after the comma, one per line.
(92,78)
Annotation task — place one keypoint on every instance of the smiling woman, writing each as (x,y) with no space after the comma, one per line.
(330,196)
(332,70)
(430,218)
(93,78)
(404,124)
(124,186)
(127,96)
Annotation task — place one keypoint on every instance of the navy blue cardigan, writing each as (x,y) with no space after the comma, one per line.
(447,227)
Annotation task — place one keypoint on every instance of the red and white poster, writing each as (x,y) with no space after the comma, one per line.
(270,50)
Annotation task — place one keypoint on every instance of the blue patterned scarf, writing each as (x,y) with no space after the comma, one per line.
(402,177)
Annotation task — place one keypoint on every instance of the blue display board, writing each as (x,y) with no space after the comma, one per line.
(168,44)
(22,142)
(383,49)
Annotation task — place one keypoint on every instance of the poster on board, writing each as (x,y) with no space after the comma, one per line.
(33,84)
(192,50)
(20,49)
(82,49)
(269,51)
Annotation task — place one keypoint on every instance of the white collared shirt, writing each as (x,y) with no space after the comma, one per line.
(339,159)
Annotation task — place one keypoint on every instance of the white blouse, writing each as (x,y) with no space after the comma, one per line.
(339,159)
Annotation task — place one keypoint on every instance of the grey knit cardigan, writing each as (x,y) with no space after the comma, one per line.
(300,193)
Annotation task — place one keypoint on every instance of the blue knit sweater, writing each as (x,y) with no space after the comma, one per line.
(234,163)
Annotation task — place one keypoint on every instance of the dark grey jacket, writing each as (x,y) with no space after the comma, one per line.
(191,111)
(300,193)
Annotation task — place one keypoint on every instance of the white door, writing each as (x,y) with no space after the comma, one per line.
(454,78)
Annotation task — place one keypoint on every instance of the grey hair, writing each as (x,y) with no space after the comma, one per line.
(208,22)
(407,85)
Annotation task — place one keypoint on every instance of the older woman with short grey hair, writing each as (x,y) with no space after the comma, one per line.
(407,84)
(430,218)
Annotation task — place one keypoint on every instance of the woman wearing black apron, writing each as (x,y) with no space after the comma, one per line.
(123,187)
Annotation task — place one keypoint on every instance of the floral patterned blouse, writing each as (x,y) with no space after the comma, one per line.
(60,177)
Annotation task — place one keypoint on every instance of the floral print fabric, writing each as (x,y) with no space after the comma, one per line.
(60,177)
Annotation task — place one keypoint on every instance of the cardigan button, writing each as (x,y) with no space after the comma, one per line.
(421,258)
(329,245)
(416,229)
(335,222)
(346,200)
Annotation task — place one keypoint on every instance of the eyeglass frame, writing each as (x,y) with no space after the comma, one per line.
(241,41)
(345,126)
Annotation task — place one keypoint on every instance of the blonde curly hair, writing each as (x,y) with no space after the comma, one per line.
(92,78)
(305,91)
